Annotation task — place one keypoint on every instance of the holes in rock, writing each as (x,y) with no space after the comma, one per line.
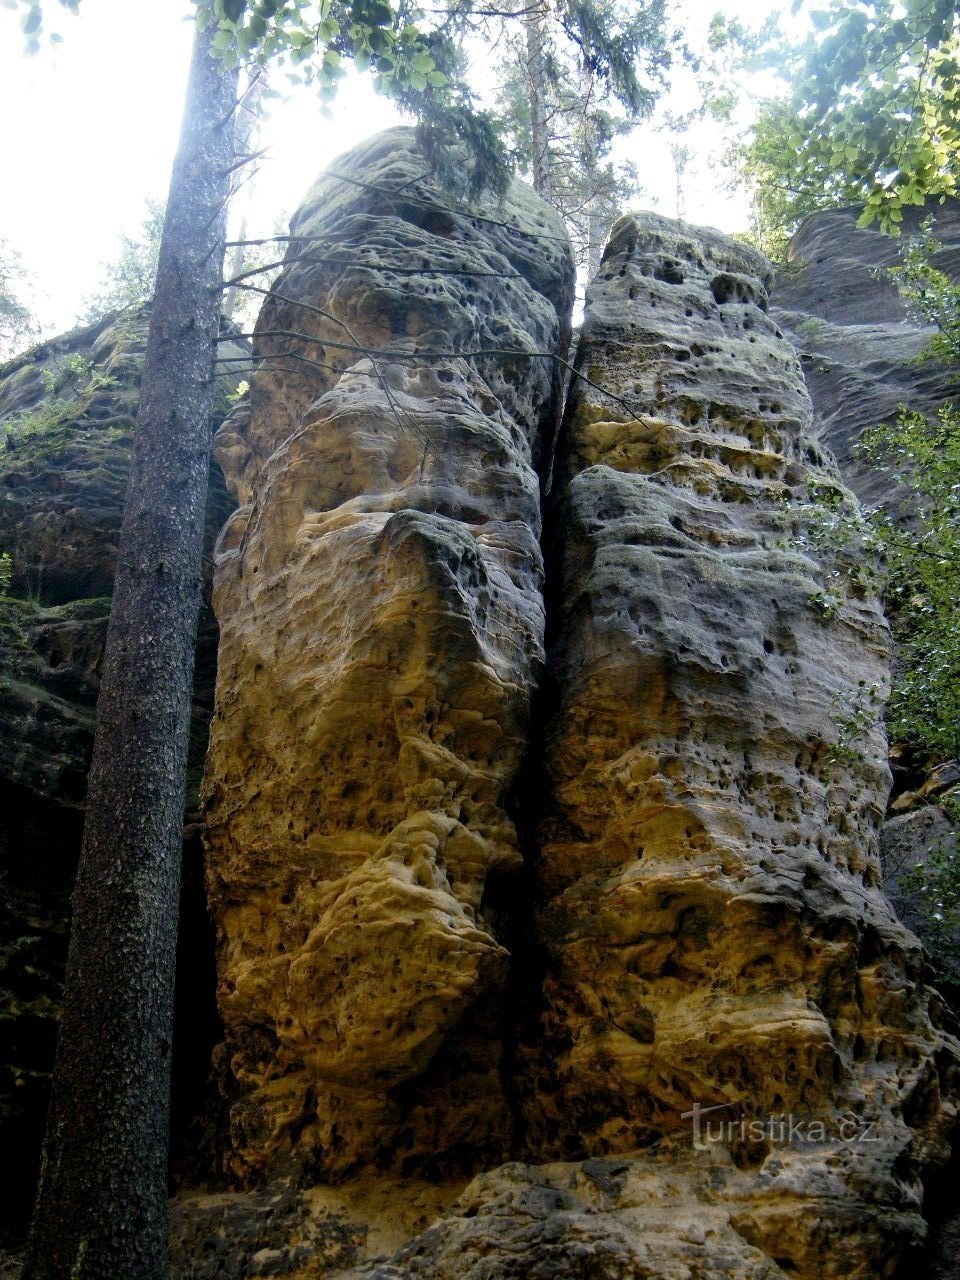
(668,271)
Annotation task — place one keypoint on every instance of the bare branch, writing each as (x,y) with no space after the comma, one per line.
(245,160)
(353,263)
(415,356)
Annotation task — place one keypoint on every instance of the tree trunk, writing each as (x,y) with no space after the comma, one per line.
(101,1210)
(538,87)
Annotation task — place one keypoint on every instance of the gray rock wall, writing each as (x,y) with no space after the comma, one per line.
(857,345)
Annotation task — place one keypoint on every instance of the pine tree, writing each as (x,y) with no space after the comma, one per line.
(101,1209)
(576,78)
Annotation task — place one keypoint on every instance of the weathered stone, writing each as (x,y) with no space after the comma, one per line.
(303,1234)
(858,347)
(916,847)
(711,917)
(379,596)
(701,922)
(67,409)
(668,1216)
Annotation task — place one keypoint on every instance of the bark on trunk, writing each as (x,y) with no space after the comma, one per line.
(537,81)
(102,1209)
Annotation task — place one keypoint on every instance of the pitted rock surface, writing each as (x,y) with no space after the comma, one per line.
(380,601)
(710,909)
(518,883)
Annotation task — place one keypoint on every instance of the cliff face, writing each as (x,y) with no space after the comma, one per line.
(858,347)
(711,907)
(698,852)
(382,621)
(520,861)
(514,869)
(66,415)
(862,357)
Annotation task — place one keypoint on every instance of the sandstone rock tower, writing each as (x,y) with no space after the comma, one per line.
(380,598)
(507,868)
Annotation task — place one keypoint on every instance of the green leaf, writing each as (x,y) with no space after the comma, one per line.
(246,40)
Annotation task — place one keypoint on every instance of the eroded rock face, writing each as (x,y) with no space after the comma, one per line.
(67,409)
(382,620)
(711,912)
(857,344)
(698,920)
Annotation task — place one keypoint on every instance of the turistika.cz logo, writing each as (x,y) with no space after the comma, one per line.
(780,1129)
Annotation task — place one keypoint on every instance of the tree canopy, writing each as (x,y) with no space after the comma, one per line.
(575,78)
(129,279)
(17,324)
(872,116)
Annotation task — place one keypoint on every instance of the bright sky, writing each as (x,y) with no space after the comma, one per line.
(90,129)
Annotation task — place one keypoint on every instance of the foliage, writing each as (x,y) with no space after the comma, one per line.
(415,56)
(921,539)
(17,325)
(71,386)
(129,280)
(872,118)
(923,553)
(829,523)
(778,203)
(931,297)
(855,712)
(576,77)
(586,187)
(422,66)
(32,21)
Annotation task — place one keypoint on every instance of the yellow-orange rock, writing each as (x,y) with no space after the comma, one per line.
(710,907)
(577,889)
(379,597)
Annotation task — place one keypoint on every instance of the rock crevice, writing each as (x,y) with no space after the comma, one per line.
(380,594)
(491,886)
